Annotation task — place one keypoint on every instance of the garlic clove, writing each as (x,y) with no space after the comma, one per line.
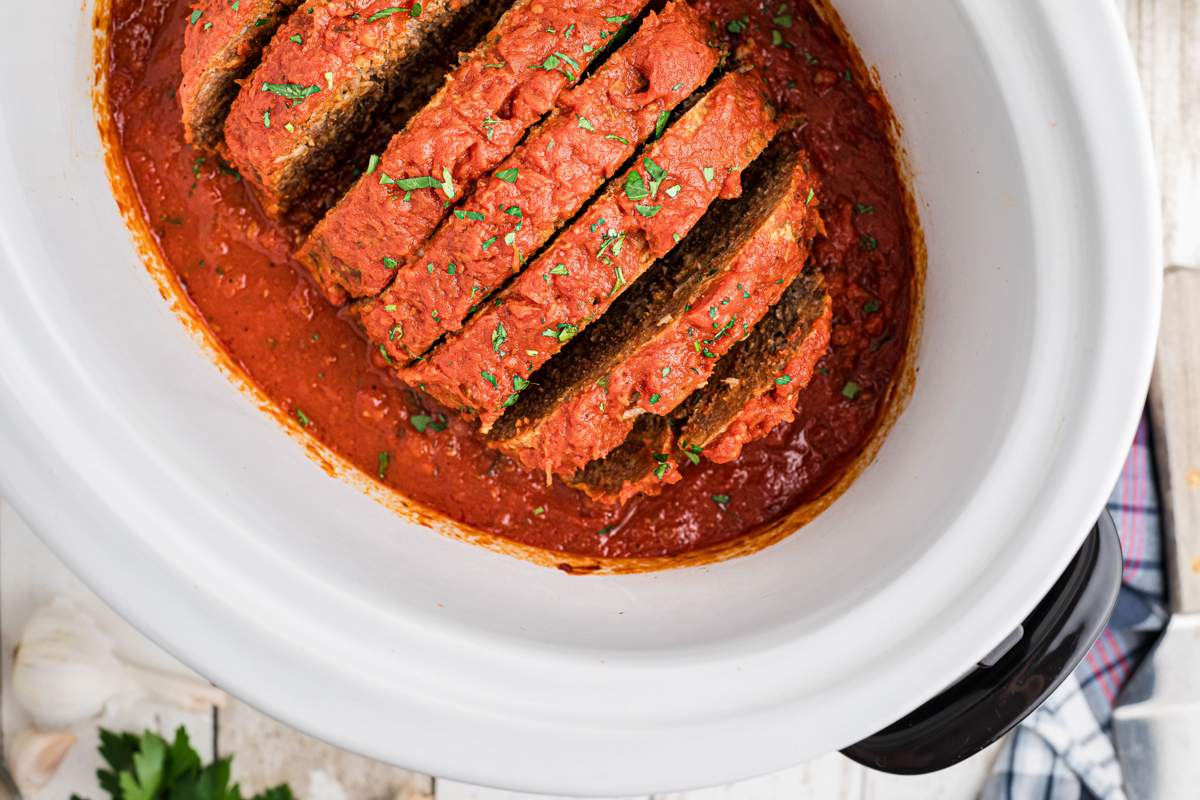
(65,670)
(188,694)
(34,757)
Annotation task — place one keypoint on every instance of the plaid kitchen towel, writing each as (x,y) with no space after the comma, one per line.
(1063,750)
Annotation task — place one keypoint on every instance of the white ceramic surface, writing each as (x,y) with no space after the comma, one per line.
(203,522)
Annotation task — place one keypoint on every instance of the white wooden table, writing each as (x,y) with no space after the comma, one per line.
(1165,36)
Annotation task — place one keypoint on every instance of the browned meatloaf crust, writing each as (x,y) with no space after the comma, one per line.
(325,78)
(482,368)
(661,341)
(592,132)
(538,48)
(754,387)
(221,44)
(643,464)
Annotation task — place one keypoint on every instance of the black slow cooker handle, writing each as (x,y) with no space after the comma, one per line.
(990,701)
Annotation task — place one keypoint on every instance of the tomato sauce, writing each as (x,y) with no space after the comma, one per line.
(238,270)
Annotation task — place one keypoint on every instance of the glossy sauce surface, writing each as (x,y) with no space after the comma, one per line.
(236,266)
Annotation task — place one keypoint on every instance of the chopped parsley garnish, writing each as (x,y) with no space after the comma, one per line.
(618,138)
(488,243)
(619,19)
(499,337)
(489,377)
(654,398)
(811,59)
(587,126)
(567,59)
(776,37)
(195,16)
(384,458)
(851,390)
(666,371)
(871,306)
(289,127)
(512,210)
(673,191)
(663,465)
(708,173)
(783,380)
(735,26)
(647,211)
(296,39)
(372,163)
(303,418)
(661,124)
(559,269)
(267,118)
(605,530)
(390,263)
(387,12)
(656,174)
(692,451)
(423,421)
(508,175)
(635,187)
(721,499)
(861,209)
(475,215)
(869,243)
(290,91)
(784,21)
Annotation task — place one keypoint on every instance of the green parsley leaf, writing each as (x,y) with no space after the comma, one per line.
(290,91)
(587,126)
(869,243)
(489,377)
(635,187)
(387,12)
(384,458)
(408,184)
(647,211)
(499,337)
(851,390)
(537,512)
(721,499)
(390,263)
(447,183)
(559,269)
(420,422)
(783,380)
(871,306)
(861,209)
(661,124)
(735,26)
(673,191)
(666,371)
(195,16)
(267,118)
(296,39)
(619,19)
(475,215)
(372,163)
(654,398)
(415,11)
(784,21)
(708,173)
(508,175)
(776,37)
(488,243)
(303,418)
(618,138)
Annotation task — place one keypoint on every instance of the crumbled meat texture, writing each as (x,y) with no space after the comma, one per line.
(547,180)
(643,464)
(325,79)
(482,368)
(660,342)
(505,86)
(754,387)
(221,44)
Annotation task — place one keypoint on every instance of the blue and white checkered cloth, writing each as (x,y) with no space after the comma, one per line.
(1064,750)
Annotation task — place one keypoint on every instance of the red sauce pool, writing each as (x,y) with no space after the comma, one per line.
(236,267)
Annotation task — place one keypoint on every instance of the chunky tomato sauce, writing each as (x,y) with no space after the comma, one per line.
(237,268)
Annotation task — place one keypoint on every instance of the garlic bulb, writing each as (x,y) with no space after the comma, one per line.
(33,758)
(65,672)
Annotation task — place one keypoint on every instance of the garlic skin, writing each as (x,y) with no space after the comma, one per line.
(66,672)
(34,757)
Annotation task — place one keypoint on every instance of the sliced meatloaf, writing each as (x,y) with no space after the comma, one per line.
(661,342)
(593,131)
(325,78)
(754,386)
(221,44)
(643,464)
(482,368)
(505,86)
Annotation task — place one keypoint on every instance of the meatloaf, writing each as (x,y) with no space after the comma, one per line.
(754,387)
(593,130)
(505,86)
(661,341)
(221,44)
(643,464)
(326,77)
(482,368)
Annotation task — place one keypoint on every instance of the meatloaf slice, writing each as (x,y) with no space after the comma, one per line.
(643,464)
(592,132)
(325,78)
(754,387)
(505,86)
(482,368)
(221,44)
(661,341)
